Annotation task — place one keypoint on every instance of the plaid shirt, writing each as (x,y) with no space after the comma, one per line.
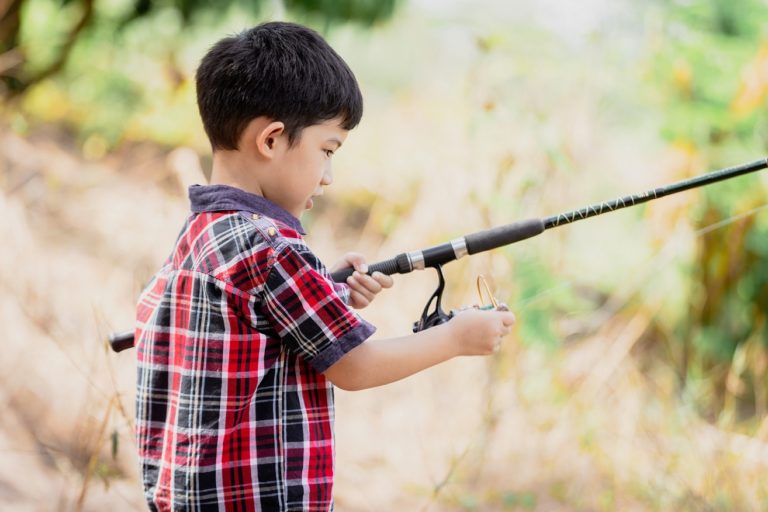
(233,335)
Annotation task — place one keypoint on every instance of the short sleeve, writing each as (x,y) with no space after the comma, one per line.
(308,313)
(341,289)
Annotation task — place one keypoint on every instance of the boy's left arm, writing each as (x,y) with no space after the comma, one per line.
(363,288)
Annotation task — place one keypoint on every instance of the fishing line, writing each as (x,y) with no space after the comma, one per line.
(659,260)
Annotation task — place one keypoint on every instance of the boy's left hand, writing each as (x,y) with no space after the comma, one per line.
(363,288)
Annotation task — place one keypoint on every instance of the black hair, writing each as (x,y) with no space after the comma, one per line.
(283,71)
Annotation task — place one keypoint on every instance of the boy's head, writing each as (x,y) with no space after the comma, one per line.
(281,71)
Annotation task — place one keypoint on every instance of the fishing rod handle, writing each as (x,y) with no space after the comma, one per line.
(120,341)
(453,250)
(400,264)
(503,235)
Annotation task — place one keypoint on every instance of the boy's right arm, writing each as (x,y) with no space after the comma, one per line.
(377,362)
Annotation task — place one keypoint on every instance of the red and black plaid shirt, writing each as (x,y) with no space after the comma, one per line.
(233,336)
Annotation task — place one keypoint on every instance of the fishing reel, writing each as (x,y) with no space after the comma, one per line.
(437,316)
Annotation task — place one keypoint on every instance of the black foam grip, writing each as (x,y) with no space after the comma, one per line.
(503,235)
(121,341)
(396,265)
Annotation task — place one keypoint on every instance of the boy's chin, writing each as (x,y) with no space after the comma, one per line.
(310,204)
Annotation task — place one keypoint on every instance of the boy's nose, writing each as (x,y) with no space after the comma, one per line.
(327,178)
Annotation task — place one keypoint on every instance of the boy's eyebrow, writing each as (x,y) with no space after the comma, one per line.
(337,141)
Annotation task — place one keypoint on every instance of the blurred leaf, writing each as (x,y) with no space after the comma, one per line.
(526,500)
(365,12)
(115,438)
(753,88)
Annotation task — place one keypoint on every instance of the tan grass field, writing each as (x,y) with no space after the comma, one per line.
(582,428)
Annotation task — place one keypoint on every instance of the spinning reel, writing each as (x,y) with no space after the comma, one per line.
(437,316)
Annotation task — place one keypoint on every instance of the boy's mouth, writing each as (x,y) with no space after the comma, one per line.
(311,200)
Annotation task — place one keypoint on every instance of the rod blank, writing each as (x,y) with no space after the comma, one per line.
(644,197)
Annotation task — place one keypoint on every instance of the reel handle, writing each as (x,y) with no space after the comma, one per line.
(397,265)
(120,341)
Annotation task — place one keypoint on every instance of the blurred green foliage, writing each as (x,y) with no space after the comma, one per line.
(710,75)
(366,12)
(698,71)
(95,64)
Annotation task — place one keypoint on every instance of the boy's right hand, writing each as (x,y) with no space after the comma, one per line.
(480,332)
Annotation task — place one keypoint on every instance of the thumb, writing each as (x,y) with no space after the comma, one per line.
(507,318)
(356,261)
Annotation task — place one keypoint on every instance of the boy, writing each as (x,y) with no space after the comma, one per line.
(242,334)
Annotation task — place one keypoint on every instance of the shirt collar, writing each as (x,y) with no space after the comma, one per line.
(216,198)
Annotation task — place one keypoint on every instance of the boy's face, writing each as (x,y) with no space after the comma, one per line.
(305,168)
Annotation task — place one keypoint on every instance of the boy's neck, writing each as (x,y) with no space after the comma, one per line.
(232,168)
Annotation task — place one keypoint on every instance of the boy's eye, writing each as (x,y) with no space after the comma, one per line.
(328,152)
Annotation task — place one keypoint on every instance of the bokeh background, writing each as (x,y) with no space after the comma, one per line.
(636,376)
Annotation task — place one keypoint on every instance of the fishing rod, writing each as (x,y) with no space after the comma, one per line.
(437,256)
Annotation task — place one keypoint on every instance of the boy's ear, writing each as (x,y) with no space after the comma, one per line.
(266,138)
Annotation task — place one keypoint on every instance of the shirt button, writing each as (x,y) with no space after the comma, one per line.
(255,216)
(272,231)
